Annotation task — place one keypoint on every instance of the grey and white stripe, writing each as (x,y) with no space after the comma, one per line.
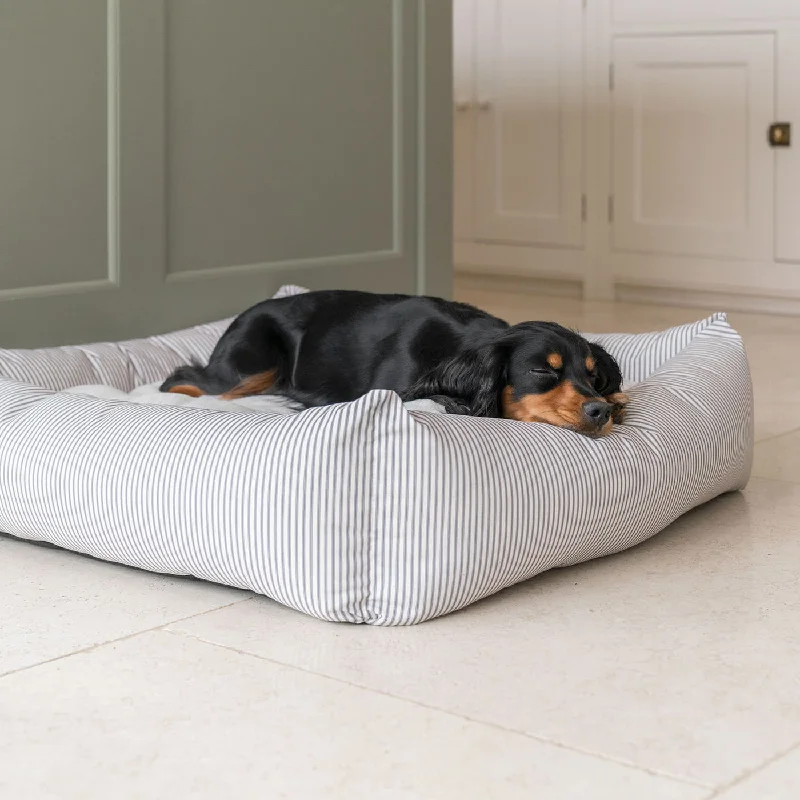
(123,365)
(362,512)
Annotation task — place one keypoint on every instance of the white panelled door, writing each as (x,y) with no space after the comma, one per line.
(649,12)
(693,173)
(528,117)
(464,18)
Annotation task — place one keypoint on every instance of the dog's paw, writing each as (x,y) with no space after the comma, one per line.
(620,402)
(452,405)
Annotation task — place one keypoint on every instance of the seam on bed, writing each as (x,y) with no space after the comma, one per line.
(367,571)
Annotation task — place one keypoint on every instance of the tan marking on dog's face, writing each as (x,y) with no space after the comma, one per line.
(590,365)
(555,361)
(562,406)
(253,384)
(190,391)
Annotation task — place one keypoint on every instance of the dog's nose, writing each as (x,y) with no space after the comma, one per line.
(597,412)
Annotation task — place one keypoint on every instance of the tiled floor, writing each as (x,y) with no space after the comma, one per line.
(669,671)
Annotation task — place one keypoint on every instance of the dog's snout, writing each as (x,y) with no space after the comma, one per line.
(597,412)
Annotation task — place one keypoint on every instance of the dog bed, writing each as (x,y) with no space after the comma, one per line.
(367,511)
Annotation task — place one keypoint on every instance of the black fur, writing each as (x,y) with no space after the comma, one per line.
(334,346)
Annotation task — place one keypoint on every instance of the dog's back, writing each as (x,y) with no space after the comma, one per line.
(335,345)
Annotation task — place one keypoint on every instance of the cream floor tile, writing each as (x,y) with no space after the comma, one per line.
(778,458)
(53,602)
(779,780)
(163,715)
(776,391)
(679,655)
(773,420)
(773,416)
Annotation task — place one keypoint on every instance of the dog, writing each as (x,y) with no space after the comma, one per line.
(328,347)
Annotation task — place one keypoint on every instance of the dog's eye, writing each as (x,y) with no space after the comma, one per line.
(543,371)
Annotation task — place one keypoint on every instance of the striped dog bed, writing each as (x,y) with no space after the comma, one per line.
(364,511)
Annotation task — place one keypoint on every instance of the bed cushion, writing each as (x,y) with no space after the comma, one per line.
(365,511)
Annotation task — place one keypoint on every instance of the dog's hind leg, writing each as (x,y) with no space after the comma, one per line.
(244,363)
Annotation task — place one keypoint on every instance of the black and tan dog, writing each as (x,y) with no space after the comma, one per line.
(333,346)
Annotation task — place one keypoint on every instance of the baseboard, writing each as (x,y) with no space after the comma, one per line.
(694,298)
(485,281)
(490,281)
(521,261)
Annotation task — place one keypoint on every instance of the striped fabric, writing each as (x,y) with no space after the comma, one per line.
(123,365)
(364,511)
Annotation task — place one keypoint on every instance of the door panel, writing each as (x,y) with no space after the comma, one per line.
(53,170)
(657,11)
(237,194)
(529,155)
(692,171)
(222,153)
(787,159)
(464,19)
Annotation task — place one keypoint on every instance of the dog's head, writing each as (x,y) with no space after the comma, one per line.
(538,372)
(554,375)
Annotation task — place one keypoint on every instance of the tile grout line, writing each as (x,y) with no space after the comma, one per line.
(753,771)
(775,480)
(540,739)
(776,436)
(97,645)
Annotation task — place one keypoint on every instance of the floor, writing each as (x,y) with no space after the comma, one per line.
(668,672)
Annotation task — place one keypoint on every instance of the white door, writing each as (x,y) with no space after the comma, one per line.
(693,173)
(464,19)
(682,11)
(529,153)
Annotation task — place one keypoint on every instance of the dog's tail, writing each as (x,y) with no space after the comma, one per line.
(196,380)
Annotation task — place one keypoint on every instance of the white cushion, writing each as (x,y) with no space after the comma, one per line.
(363,511)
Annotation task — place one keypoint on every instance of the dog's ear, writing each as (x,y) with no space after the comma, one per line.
(473,380)
(608,376)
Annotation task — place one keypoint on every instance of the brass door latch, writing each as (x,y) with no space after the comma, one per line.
(780,134)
